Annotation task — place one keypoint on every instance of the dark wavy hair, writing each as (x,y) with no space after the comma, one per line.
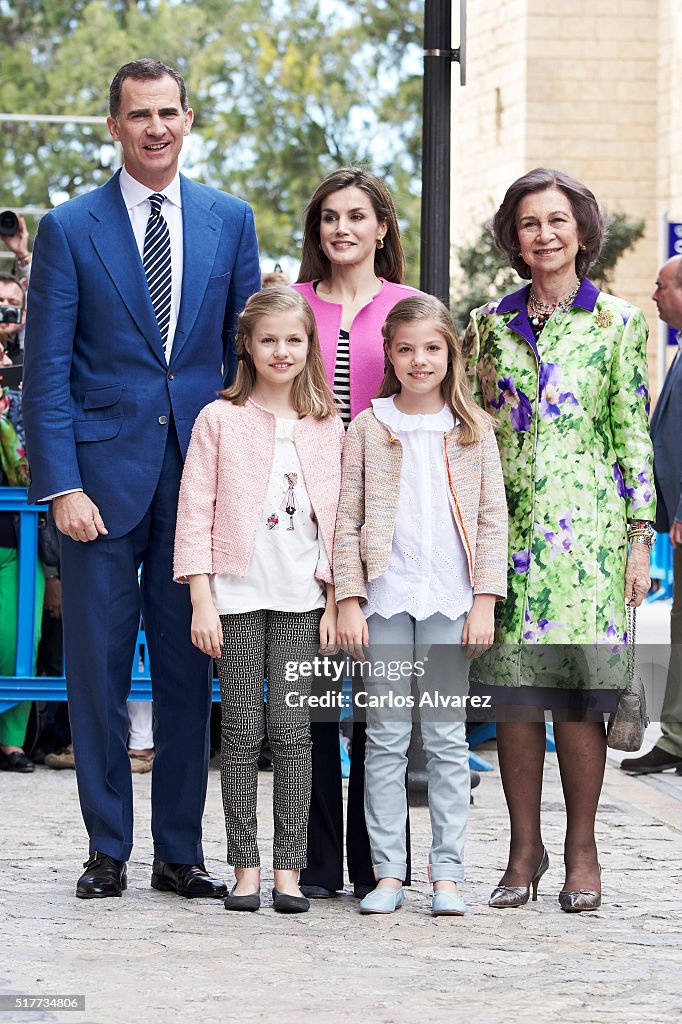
(389,262)
(592,222)
(144,69)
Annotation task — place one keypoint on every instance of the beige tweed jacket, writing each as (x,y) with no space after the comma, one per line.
(370,485)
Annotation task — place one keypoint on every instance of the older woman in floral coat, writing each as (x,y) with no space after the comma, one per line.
(562,368)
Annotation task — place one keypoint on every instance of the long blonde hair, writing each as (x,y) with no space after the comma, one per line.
(310,394)
(454,386)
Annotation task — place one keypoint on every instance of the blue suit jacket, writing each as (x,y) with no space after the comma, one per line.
(98,393)
(666,434)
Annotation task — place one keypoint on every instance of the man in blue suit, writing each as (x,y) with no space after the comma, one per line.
(666,433)
(134,295)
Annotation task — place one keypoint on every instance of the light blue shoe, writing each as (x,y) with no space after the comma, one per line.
(382,901)
(447,904)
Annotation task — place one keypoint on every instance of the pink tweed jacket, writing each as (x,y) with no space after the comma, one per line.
(366,341)
(370,485)
(225,480)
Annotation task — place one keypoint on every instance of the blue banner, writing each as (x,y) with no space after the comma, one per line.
(674,249)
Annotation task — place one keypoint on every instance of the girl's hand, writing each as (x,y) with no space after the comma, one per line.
(207,632)
(328,644)
(637,579)
(351,628)
(479,629)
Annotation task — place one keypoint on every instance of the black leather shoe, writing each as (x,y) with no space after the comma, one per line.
(190,880)
(103,876)
(656,760)
(15,762)
(285,904)
(318,892)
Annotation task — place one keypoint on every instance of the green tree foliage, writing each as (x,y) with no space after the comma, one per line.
(282,92)
(484,274)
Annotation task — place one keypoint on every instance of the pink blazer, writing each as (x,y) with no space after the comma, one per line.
(366,342)
(225,480)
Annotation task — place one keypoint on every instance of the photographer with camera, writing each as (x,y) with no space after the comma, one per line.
(12,317)
(14,234)
(14,472)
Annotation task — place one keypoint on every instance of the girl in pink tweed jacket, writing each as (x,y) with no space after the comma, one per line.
(254,539)
(421,541)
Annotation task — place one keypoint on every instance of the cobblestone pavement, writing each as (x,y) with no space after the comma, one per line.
(152,957)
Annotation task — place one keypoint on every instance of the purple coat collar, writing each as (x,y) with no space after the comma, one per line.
(586,299)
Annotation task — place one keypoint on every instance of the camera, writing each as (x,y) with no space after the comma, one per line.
(9,223)
(10,314)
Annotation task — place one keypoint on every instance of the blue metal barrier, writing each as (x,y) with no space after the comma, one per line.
(20,686)
(24,685)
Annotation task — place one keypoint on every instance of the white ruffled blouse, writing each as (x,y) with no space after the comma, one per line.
(428,570)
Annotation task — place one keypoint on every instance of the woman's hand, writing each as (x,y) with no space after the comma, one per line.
(328,644)
(479,629)
(206,628)
(637,579)
(351,628)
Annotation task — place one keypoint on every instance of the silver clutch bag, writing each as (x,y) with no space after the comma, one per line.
(625,730)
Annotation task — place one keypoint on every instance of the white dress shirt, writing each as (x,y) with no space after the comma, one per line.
(428,571)
(136,197)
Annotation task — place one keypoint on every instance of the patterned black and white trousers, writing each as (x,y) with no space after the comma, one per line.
(257,645)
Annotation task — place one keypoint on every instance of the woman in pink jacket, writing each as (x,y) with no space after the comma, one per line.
(352,271)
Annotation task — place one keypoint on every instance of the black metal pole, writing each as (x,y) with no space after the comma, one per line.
(435,220)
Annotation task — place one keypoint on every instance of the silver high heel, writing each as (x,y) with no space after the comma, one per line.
(582,899)
(505,896)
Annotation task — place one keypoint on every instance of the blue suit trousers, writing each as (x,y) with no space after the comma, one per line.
(102,603)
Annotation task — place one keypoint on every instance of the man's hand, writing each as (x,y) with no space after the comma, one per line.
(18,244)
(77,516)
(676,534)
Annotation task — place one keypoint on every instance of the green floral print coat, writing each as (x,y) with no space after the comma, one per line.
(572,417)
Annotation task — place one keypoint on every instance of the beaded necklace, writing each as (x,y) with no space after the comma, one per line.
(540,312)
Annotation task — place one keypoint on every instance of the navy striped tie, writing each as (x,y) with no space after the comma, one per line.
(156,259)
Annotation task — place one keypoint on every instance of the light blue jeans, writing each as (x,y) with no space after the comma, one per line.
(436,642)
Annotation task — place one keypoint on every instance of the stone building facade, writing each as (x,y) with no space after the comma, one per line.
(593,87)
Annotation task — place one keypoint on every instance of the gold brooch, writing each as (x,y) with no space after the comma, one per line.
(604,318)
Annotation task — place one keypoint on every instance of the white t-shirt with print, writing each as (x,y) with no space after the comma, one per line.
(287,552)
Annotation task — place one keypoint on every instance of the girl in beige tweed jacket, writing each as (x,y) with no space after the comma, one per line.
(419,561)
